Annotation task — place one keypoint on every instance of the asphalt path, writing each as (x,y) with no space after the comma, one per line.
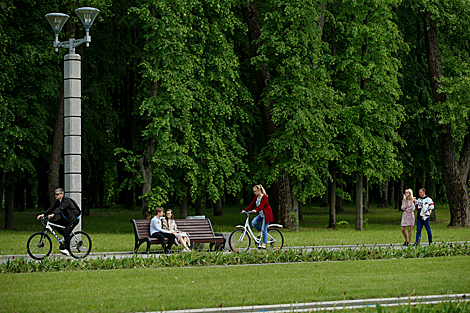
(128,254)
(332,305)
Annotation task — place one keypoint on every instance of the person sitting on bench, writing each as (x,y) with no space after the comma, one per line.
(156,231)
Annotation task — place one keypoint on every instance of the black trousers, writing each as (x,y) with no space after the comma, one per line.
(161,237)
(66,231)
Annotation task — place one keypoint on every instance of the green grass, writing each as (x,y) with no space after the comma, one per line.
(141,289)
(180,288)
(112,231)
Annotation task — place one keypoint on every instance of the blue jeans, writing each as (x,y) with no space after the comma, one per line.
(419,227)
(255,223)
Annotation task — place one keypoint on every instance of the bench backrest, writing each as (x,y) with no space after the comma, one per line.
(196,228)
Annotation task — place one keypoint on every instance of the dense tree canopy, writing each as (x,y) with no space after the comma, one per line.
(198,100)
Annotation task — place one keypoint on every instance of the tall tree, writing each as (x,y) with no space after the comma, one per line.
(196,110)
(366,39)
(27,80)
(454,166)
(296,100)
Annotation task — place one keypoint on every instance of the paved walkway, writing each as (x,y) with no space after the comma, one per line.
(331,305)
(127,254)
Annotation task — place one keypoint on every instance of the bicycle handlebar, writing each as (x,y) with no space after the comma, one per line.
(43,220)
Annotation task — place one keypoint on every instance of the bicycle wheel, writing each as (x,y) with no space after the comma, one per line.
(80,244)
(275,239)
(239,240)
(39,246)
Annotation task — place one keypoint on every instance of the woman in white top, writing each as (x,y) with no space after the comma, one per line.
(168,223)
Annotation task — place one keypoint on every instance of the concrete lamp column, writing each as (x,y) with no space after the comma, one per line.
(73,129)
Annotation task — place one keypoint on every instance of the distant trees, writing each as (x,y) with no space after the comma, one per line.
(196,101)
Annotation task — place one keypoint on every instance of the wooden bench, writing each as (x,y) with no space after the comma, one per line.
(199,230)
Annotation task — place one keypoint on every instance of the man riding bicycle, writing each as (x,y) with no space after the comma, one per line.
(69,217)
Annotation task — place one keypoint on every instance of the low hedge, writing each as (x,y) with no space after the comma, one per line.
(21,265)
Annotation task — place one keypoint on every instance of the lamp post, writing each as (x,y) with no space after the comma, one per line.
(72,100)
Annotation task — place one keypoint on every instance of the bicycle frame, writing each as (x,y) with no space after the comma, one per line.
(48,227)
(247,228)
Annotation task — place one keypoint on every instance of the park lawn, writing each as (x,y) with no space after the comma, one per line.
(112,231)
(125,290)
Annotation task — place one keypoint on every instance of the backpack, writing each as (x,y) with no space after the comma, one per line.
(76,205)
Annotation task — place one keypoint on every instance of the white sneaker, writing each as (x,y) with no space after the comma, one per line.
(186,250)
(66,252)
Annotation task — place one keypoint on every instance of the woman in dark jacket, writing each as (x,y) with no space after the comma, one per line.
(260,204)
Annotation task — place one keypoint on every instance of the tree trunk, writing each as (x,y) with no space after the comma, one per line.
(464,161)
(399,196)
(146,168)
(29,193)
(339,200)
(385,201)
(456,188)
(295,214)
(19,194)
(184,207)
(263,79)
(430,192)
(325,201)
(366,195)
(284,202)
(218,208)
(198,205)
(10,206)
(359,198)
(332,215)
(359,173)
(2,188)
(57,148)
(391,198)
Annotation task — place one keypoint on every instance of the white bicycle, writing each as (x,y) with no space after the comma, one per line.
(240,239)
(39,245)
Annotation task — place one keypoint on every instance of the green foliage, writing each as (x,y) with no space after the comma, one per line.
(196,112)
(303,101)
(420,155)
(24,98)
(367,42)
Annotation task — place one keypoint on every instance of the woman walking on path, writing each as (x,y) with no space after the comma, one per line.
(260,204)
(408,217)
(182,238)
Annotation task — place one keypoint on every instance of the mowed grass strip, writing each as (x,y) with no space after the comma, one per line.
(185,288)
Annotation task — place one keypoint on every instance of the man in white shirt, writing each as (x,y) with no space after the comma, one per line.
(156,231)
(424,206)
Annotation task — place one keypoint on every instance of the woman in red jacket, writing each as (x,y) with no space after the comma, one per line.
(260,204)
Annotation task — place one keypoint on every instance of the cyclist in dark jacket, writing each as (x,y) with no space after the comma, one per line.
(69,217)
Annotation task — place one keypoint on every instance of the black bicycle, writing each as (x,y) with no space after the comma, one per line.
(40,244)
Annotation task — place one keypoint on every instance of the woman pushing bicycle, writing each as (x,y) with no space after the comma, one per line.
(260,204)
(70,214)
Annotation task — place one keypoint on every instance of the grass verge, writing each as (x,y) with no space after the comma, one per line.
(20,265)
(152,289)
